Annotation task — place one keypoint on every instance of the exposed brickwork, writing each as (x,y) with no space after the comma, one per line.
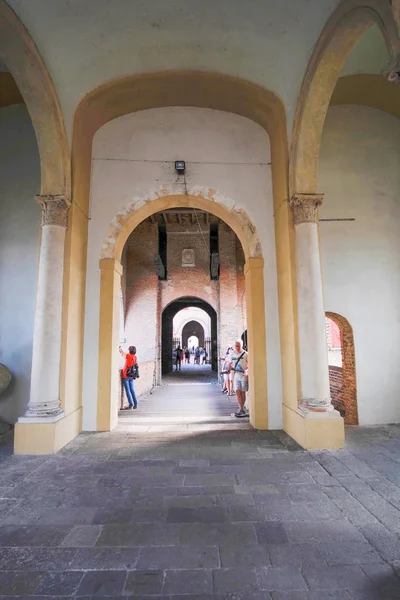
(230,310)
(141,299)
(349,386)
(240,282)
(188,281)
(336,385)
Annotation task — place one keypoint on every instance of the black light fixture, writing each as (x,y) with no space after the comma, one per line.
(180,167)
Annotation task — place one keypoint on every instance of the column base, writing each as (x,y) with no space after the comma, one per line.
(46,436)
(314,430)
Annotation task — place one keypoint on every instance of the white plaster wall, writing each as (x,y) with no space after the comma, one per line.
(192,313)
(19,246)
(85,43)
(135,154)
(360,175)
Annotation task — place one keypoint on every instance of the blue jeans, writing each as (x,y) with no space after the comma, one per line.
(130,391)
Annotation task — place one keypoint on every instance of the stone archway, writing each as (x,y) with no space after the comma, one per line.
(110,282)
(349,383)
(193,328)
(166,328)
(344,28)
(197,89)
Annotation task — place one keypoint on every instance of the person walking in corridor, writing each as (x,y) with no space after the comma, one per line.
(178,358)
(127,380)
(239,366)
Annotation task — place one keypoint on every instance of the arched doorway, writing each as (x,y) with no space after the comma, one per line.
(193,330)
(167,338)
(342,370)
(110,284)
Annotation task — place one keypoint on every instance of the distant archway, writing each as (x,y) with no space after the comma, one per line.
(344,380)
(166,330)
(193,328)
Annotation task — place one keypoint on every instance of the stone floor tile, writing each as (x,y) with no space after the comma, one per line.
(178,557)
(15,583)
(214,534)
(321,531)
(386,543)
(148,515)
(295,555)
(139,534)
(320,595)
(214,514)
(190,501)
(45,535)
(102,583)
(336,578)
(209,480)
(144,582)
(82,535)
(280,579)
(349,553)
(105,558)
(229,500)
(244,556)
(235,580)
(61,583)
(188,582)
(104,516)
(270,532)
(36,559)
(199,490)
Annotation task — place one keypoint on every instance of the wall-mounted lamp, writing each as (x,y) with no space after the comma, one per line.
(180,167)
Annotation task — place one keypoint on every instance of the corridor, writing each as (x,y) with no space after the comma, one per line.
(233,514)
(188,400)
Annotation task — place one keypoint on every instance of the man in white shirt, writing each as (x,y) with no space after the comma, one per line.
(239,366)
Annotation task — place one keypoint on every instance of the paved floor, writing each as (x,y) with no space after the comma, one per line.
(189,399)
(222,513)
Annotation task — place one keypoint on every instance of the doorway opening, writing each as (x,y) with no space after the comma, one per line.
(183,280)
(342,367)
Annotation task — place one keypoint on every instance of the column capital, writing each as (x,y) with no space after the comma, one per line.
(54,209)
(305,207)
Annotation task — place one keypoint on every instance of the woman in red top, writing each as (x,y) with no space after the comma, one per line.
(130,360)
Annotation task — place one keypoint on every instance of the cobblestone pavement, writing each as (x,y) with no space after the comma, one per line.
(233,514)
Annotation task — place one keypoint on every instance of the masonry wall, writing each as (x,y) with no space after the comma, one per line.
(359,172)
(188,281)
(141,302)
(19,251)
(133,162)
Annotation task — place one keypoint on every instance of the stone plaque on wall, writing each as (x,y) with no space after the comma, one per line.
(188,257)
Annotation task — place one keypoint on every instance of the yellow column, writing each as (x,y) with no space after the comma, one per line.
(108,376)
(256,339)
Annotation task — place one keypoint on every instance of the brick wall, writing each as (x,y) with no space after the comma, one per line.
(348,396)
(141,282)
(336,385)
(230,309)
(188,281)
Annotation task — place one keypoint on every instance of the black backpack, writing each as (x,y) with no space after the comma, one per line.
(133,372)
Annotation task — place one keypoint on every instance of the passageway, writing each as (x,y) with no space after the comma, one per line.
(189,399)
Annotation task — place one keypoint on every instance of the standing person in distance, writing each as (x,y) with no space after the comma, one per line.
(239,365)
(178,358)
(130,361)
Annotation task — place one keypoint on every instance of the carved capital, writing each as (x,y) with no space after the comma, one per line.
(305,207)
(54,210)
